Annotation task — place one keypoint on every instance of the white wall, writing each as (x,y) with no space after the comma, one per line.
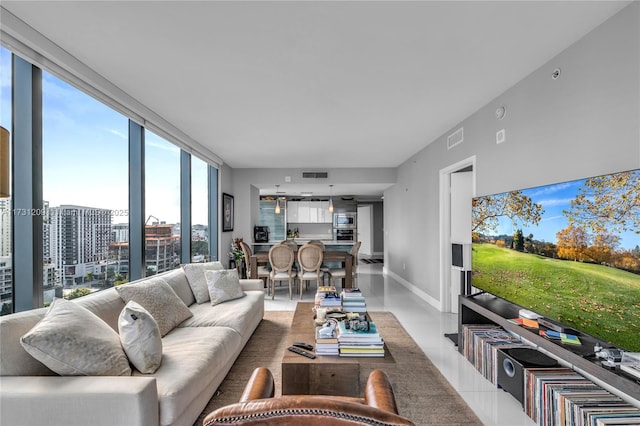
(585,123)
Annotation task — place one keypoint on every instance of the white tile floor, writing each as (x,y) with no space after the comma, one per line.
(427,326)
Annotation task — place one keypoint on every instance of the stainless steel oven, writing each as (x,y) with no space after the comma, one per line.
(344,220)
(344,234)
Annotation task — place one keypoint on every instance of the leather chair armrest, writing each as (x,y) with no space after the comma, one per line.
(310,410)
(259,386)
(379,392)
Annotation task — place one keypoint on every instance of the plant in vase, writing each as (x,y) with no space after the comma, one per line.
(236,254)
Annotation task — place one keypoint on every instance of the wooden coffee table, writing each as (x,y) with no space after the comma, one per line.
(326,374)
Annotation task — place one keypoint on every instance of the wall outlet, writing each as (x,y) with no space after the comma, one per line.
(404,266)
(501,136)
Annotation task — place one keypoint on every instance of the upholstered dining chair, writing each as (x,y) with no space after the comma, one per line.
(341,273)
(258,406)
(281,258)
(310,258)
(263,270)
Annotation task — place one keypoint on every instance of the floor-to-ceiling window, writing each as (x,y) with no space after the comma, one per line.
(162,204)
(6,213)
(85,191)
(84,194)
(199,210)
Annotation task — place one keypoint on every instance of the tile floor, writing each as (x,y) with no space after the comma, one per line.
(427,326)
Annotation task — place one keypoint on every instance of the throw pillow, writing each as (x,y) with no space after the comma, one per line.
(197,280)
(157,297)
(72,341)
(223,285)
(140,338)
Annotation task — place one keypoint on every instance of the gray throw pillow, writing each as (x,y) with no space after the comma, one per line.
(72,341)
(223,285)
(140,338)
(157,297)
(197,280)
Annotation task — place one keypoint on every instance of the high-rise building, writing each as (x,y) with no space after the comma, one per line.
(79,241)
(5,226)
(120,232)
(162,248)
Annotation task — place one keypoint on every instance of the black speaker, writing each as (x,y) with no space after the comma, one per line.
(511,365)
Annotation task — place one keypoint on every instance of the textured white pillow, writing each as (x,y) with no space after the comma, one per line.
(197,280)
(140,338)
(157,297)
(73,341)
(223,285)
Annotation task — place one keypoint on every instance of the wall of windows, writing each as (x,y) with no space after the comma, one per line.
(82,187)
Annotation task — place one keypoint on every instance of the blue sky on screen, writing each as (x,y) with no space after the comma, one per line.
(555,198)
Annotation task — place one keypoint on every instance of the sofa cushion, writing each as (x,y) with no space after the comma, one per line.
(177,280)
(106,304)
(242,315)
(197,280)
(140,338)
(72,341)
(14,360)
(192,357)
(224,285)
(155,295)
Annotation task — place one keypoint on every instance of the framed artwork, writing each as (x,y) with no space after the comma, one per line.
(227,212)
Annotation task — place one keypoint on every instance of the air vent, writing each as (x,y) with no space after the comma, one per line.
(315,175)
(455,138)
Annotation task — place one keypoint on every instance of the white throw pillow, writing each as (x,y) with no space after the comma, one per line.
(223,285)
(140,338)
(72,341)
(157,297)
(197,281)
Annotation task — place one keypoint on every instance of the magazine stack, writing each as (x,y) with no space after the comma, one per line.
(359,337)
(327,297)
(353,300)
(327,339)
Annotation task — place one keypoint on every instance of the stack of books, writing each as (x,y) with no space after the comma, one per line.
(360,343)
(327,297)
(353,300)
(327,345)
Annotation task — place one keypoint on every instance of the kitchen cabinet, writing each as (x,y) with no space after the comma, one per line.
(309,212)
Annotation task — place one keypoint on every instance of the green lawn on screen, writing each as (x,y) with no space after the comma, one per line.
(596,299)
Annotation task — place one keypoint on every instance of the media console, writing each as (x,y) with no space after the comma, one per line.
(489,309)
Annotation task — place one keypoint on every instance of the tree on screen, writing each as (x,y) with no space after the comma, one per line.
(606,204)
(514,205)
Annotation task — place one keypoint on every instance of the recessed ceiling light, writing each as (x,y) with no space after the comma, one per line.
(306,194)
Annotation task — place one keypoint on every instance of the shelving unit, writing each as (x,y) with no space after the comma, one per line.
(489,309)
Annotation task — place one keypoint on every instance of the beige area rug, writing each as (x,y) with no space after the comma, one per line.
(422,393)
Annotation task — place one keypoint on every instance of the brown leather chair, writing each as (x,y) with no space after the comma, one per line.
(257,406)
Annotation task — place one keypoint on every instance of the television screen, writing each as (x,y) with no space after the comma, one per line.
(568,251)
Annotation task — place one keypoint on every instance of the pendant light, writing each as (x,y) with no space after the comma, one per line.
(330,199)
(277,200)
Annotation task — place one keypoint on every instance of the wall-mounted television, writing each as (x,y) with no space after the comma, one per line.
(568,251)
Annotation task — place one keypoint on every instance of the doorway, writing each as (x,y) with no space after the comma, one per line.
(452,220)
(365,221)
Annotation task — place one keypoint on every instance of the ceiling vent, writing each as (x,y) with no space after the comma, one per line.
(455,138)
(315,175)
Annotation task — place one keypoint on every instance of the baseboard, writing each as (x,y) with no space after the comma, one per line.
(412,288)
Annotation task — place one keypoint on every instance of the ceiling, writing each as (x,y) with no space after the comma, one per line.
(314,84)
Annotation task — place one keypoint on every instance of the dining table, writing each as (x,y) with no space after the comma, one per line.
(343,257)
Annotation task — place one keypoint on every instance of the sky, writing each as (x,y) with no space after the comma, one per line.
(554,199)
(85,155)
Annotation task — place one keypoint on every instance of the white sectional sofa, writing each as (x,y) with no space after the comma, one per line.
(196,356)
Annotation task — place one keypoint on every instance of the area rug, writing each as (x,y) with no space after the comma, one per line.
(371,260)
(422,393)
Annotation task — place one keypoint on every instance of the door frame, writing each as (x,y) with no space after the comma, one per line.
(445,227)
(369,231)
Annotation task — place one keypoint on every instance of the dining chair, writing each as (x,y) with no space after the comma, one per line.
(281,258)
(310,258)
(341,273)
(263,270)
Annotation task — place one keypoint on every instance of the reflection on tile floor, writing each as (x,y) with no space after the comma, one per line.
(427,326)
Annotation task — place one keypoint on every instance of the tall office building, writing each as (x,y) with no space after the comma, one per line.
(5,226)
(79,241)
